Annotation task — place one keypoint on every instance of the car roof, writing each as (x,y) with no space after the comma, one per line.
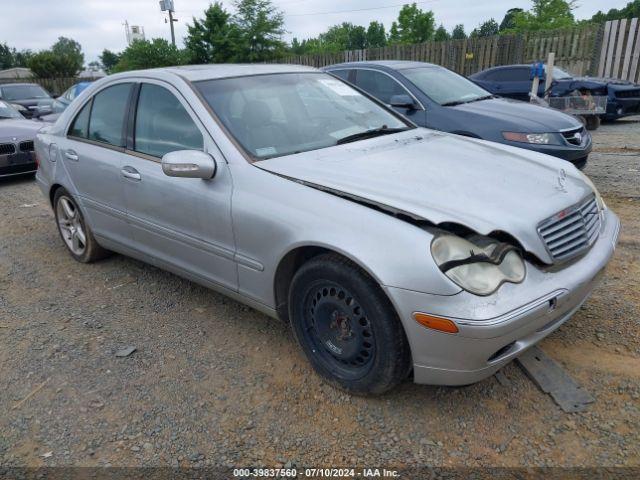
(23,84)
(390,64)
(196,73)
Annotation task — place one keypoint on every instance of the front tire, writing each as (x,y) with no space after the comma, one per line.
(347,327)
(74,231)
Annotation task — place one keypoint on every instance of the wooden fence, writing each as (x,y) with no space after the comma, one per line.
(620,50)
(55,86)
(574,50)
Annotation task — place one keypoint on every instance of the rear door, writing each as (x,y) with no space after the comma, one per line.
(183,222)
(93,153)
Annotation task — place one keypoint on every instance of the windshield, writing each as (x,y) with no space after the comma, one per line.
(7,111)
(558,73)
(22,92)
(282,114)
(445,87)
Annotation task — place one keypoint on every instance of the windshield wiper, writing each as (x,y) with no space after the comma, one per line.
(374,132)
(462,102)
(454,103)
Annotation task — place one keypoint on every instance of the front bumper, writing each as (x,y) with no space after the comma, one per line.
(622,107)
(494,330)
(17,163)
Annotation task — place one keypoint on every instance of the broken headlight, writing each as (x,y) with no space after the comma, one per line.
(479,267)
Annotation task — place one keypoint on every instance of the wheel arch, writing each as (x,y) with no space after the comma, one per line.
(292,260)
(52,191)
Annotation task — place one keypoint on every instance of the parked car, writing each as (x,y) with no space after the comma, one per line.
(434,97)
(17,134)
(389,248)
(63,101)
(514,81)
(29,98)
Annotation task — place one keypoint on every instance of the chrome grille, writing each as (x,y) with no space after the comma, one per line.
(7,148)
(572,231)
(571,137)
(26,146)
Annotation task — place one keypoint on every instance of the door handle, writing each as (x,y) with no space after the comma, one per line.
(131,173)
(71,155)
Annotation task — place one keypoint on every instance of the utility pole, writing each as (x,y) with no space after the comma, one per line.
(167,6)
(173,35)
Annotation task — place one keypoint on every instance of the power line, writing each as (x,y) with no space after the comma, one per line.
(355,10)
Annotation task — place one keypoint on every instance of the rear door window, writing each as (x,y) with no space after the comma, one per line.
(80,126)
(519,74)
(108,114)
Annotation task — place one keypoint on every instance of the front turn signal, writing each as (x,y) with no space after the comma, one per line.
(435,323)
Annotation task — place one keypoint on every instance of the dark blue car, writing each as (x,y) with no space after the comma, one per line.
(514,81)
(434,97)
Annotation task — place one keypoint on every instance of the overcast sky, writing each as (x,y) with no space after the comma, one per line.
(98,24)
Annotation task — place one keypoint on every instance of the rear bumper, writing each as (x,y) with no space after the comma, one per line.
(494,330)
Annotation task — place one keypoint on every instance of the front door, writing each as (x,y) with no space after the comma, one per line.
(183,222)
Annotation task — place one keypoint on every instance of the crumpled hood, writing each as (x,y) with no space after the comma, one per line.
(21,129)
(442,177)
(519,116)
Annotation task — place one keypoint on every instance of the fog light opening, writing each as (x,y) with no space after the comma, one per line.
(436,323)
(501,352)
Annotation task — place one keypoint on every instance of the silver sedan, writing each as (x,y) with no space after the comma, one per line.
(390,249)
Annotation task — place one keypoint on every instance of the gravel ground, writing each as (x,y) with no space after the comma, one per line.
(215,383)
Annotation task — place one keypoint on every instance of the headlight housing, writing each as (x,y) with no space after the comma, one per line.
(532,138)
(479,265)
(19,107)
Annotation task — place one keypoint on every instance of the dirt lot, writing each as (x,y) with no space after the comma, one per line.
(215,383)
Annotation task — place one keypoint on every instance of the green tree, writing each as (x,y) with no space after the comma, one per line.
(441,34)
(413,25)
(109,60)
(376,35)
(143,54)
(508,22)
(345,36)
(261,27)
(6,56)
(21,58)
(631,10)
(297,47)
(486,29)
(458,32)
(64,59)
(214,38)
(545,15)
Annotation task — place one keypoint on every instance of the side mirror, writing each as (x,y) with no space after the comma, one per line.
(189,164)
(403,101)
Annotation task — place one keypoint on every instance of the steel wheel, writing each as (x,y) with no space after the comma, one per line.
(71,225)
(337,327)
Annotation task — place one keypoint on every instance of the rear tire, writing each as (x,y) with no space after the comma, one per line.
(74,231)
(592,122)
(347,327)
